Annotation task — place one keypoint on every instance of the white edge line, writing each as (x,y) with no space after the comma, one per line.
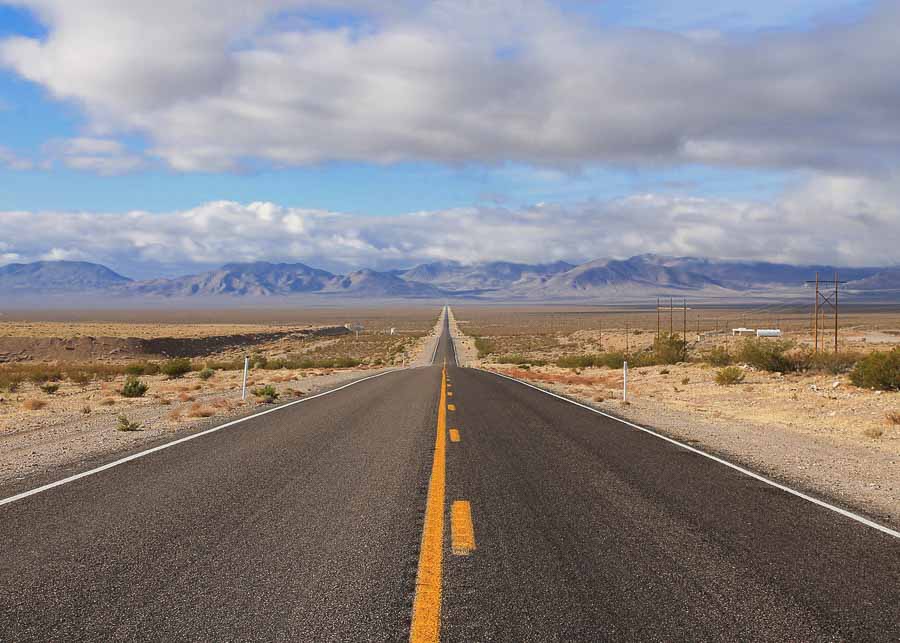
(747,472)
(141,454)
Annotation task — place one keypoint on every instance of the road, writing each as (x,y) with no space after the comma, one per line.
(444,503)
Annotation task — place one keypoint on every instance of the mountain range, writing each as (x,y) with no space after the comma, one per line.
(603,279)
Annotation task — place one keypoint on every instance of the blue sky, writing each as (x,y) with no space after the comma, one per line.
(386,110)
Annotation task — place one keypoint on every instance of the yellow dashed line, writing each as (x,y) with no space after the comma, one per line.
(426,614)
(462,532)
(454,435)
(449,393)
(451,407)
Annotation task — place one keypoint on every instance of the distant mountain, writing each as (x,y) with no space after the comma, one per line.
(601,280)
(649,273)
(887,279)
(259,279)
(57,276)
(487,276)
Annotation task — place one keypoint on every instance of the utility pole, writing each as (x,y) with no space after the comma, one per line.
(600,323)
(836,311)
(671,315)
(816,322)
(627,348)
(684,330)
(822,301)
(657,319)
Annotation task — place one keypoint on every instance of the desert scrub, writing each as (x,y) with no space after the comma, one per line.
(124,424)
(879,370)
(199,410)
(206,373)
(767,355)
(669,349)
(729,376)
(33,405)
(718,356)
(609,360)
(134,387)
(266,393)
(175,368)
(49,389)
(484,347)
(892,418)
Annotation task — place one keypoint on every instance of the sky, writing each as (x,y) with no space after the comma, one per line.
(163,137)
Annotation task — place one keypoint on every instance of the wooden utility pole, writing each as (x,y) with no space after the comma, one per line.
(671,315)
(684,331)
(657,318)
(600,323)
(816,322)
(836,311)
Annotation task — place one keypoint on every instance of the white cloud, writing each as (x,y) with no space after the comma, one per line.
(13,161)
(213,82)
(103,156)
(831,219)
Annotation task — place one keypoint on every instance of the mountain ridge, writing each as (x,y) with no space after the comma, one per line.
(489,281)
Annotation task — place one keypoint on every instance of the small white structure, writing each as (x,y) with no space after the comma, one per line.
(768,332)
(393,330)
(742,331)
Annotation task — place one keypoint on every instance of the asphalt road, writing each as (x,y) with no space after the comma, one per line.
(307,524)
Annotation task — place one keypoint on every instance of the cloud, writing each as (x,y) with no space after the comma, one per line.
(13,161)
(844,220)
(214,83)
(103,156)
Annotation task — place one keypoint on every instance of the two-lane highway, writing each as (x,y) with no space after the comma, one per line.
(438,503)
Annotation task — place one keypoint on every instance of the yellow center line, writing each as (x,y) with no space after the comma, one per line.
(462,532)
(449,393)
(426,614)
(451,407)
(454,435)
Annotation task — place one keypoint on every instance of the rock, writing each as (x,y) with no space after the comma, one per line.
(835,384)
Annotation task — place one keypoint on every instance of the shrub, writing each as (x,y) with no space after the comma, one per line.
(669,349)
(767,355)
(873,432)
(134,387)
(718,356)
(81,378)
(206,373)
(33,405)
(134,369)
(50,389)
(664,371)
(107,401)
(729,376)
(685,380)
(892,418)
(175,368)
(834,363)
(258,360)
(879,370)
(124,424)
(484,347)
(267,393)
(199,410)
(86,410)
(42,375)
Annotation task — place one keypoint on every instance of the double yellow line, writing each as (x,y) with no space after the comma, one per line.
(426,615)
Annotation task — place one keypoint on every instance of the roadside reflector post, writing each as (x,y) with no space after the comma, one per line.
(625,381)
(244,383)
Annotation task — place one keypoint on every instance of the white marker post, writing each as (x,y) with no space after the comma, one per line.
(625,381)
(244,384)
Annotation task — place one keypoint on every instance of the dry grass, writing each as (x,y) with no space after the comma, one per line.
(33,405)
(199,410)
(874,432)
(892,418)
(185,397)
(107,401)
(174,415)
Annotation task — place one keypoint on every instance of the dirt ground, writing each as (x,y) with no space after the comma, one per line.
(816,431)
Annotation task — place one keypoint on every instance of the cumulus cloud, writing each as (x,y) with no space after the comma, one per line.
(834,219)
(211,83)
(103,156)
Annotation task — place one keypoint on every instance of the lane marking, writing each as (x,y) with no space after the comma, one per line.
(463,533)
(794,492)
(451,407)
(426,613)
(449,393)
(167,445)
(454,435)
